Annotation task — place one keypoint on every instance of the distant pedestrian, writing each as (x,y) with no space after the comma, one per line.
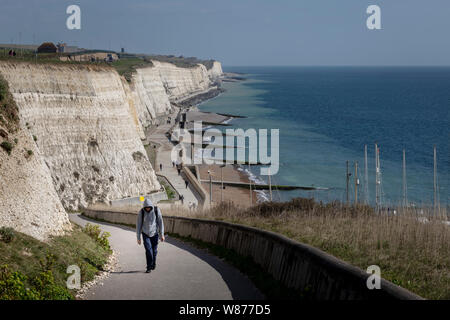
(181,198)
(186,183)
(160,167)
(173,164)
(179,169)
(150,224)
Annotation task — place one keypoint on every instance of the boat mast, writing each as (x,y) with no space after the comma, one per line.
(250,183)
(405,195)
(366,177)
(270,186)
(356,182)
(347,181)
(377,178)
(435,182)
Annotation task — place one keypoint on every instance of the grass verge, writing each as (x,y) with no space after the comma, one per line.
(32,269)
(412,252)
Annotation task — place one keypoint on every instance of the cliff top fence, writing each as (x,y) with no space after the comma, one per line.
(317,274)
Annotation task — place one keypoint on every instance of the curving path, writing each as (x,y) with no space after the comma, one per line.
(163,156)
(182,271)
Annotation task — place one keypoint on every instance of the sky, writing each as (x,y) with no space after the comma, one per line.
(244,32)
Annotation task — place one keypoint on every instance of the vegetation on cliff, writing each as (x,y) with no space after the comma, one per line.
(128,63)
(35,270)
(411,249)
(9,113)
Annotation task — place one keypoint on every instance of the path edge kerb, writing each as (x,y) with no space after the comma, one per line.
(294,264)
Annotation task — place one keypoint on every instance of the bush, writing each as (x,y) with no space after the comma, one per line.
(7,146)
(30,152)
(34,138)
(95,233)
(7,234)
(12,286)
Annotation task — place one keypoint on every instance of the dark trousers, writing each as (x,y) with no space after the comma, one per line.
(151,249)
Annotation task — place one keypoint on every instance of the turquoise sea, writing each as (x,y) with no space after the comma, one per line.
(327,114)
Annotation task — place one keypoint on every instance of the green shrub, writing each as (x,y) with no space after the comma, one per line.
(7,146)
(95,233)
(34,138)
(30,152)
(17,286)
(13,287)
(7,234)
(48,289)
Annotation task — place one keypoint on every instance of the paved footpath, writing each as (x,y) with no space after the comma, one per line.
(163,156)
(182,271)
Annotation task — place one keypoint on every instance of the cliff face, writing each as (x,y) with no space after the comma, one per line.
(28,200)
(79,137)
(149,94)
(154,88)
(216,71)
(86,130)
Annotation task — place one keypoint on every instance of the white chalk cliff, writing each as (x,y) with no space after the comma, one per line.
(155,87)
(28,200)
(84,124)
(216,71)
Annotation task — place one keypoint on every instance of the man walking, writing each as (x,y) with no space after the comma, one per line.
(150,224)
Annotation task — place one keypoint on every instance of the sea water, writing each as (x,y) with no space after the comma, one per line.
(327,114)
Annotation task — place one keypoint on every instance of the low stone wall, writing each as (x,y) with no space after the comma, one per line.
(136,201)
(197,186)
(296,265)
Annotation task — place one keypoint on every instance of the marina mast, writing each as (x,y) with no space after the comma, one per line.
(356,182)
(366,177)
(377,177)
(435,183)
(404,186)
